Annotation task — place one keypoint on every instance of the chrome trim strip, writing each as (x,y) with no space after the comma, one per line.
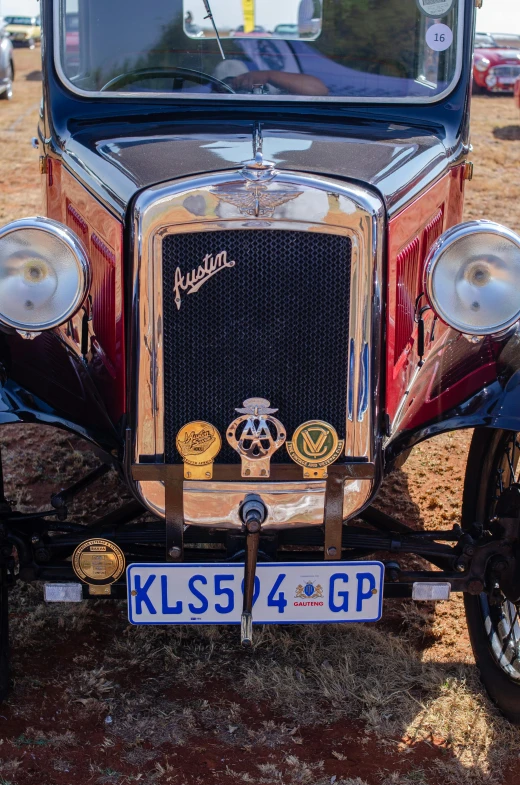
(192,205)
(259,98)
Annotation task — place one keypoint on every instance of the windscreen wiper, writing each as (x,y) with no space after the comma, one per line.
(210,16)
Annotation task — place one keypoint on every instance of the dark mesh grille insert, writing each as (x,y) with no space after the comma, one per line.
(273,326)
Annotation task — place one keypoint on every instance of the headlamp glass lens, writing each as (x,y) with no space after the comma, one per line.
(41,279)
(476,283)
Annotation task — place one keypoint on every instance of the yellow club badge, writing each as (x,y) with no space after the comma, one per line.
(199,443)
(314,446)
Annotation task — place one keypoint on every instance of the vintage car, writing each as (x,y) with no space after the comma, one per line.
(6,64)
(495,66)
(251,291)
(23,30)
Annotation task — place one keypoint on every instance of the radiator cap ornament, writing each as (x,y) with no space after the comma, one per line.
(256,435)
(315,445)
(198,443)
(99,563)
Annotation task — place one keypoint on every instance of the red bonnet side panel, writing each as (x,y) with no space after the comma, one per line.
(411,234)
(69,202)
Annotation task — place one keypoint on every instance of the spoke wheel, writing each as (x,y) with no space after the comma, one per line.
(493,621)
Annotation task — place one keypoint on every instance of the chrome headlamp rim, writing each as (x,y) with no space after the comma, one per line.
(445,241)
(80,254)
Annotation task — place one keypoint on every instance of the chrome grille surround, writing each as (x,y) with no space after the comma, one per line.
(192,205)
(511,71)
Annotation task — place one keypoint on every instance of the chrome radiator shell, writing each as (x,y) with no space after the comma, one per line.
(193,205)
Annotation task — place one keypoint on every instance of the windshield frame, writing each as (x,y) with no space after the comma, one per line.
(264,100)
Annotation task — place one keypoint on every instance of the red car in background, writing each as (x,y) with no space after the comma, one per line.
(495,68)
(72,41)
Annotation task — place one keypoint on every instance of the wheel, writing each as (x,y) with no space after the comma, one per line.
(493,621)
(8,92)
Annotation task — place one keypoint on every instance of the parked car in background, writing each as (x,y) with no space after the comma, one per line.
(495,68)
(6,64)
(484,39)
(287,30)
(507,39)
(72,41)
(259,32)
(24,30)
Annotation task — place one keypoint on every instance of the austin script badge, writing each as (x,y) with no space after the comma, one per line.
(192,281)
(256,435)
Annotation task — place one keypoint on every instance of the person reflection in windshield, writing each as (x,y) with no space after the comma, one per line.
(284,76)
(295,84)
(189,26)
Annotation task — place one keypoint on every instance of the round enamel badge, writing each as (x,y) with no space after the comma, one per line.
(98,562)
(315,445)
(199,443)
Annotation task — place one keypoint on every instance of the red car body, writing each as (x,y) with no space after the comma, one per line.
(496,69)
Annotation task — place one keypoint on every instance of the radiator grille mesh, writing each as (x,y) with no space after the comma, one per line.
(274,325)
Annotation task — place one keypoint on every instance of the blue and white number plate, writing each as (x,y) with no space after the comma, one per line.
(294,593)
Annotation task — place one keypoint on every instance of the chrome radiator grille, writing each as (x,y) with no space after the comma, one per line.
(506,70)
(275,324)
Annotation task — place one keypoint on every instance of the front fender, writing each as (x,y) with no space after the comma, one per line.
(461,385)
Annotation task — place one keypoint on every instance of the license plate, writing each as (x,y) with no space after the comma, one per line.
(294,593)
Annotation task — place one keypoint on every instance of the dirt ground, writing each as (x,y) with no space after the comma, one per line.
(97,701)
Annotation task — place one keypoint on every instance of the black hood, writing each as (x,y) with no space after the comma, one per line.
(398,161)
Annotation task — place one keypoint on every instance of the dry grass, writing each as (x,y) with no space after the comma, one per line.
(495,134)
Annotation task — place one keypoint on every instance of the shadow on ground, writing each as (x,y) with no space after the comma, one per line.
(509,133)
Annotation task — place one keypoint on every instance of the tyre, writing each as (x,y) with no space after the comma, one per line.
(493,623)
(8,92)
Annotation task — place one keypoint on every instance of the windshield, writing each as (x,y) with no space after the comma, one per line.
(326,49)
(485,42)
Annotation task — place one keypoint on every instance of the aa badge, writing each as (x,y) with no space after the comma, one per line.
(314,446)
(256,435)
(199,443)
(99,563)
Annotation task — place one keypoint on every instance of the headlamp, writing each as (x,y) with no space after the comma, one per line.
(482,64)
(44,274)
(472,278)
